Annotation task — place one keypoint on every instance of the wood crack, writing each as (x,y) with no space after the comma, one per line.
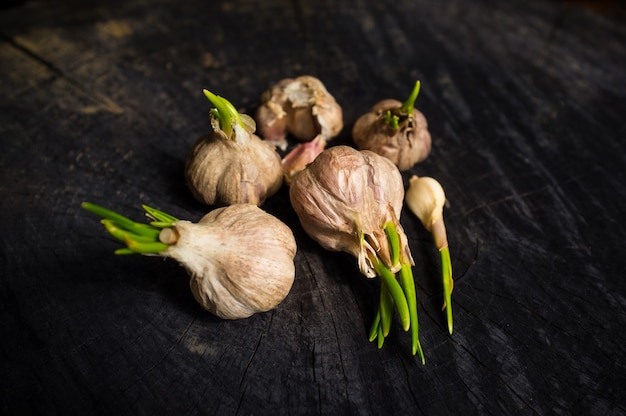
(103,102)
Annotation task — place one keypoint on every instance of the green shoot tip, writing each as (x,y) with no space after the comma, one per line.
(407,106)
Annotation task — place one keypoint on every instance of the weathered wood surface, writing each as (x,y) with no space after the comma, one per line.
(525,101)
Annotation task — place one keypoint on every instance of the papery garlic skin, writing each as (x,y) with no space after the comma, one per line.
(222,171)
(343,200)
(240,260)
(406,145)
(300,106)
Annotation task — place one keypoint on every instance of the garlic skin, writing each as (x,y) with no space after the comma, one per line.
(240,259)
(405,145)
(222,170)
(300,106)
(343,200)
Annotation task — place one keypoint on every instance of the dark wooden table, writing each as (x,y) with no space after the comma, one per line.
(102,101)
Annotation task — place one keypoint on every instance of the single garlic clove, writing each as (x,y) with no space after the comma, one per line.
(301,156)
(425,198)
(239,258)
(272,122)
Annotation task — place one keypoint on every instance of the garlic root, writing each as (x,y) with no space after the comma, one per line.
(425,197)
(239,258)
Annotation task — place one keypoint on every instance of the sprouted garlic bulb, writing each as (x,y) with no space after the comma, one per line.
(232,165)
(350,200)
(395,130)
(300,106)
(240,259)
(425,198)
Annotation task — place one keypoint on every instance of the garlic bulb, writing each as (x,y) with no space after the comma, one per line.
(350,200)
(343,200)
(240,259)
(395,130)
(232,165)
(300,106)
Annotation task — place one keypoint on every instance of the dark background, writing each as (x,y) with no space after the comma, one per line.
(102,101)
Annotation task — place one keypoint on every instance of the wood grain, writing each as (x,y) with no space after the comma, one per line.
(525,102)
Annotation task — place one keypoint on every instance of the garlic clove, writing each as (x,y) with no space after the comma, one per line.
(425,198)
(301,156)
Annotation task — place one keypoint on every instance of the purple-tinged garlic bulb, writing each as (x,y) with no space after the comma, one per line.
(343,200)
(395,130)
(350,200)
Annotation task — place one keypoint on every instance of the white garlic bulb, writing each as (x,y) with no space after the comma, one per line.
(239,258)
(232,165)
